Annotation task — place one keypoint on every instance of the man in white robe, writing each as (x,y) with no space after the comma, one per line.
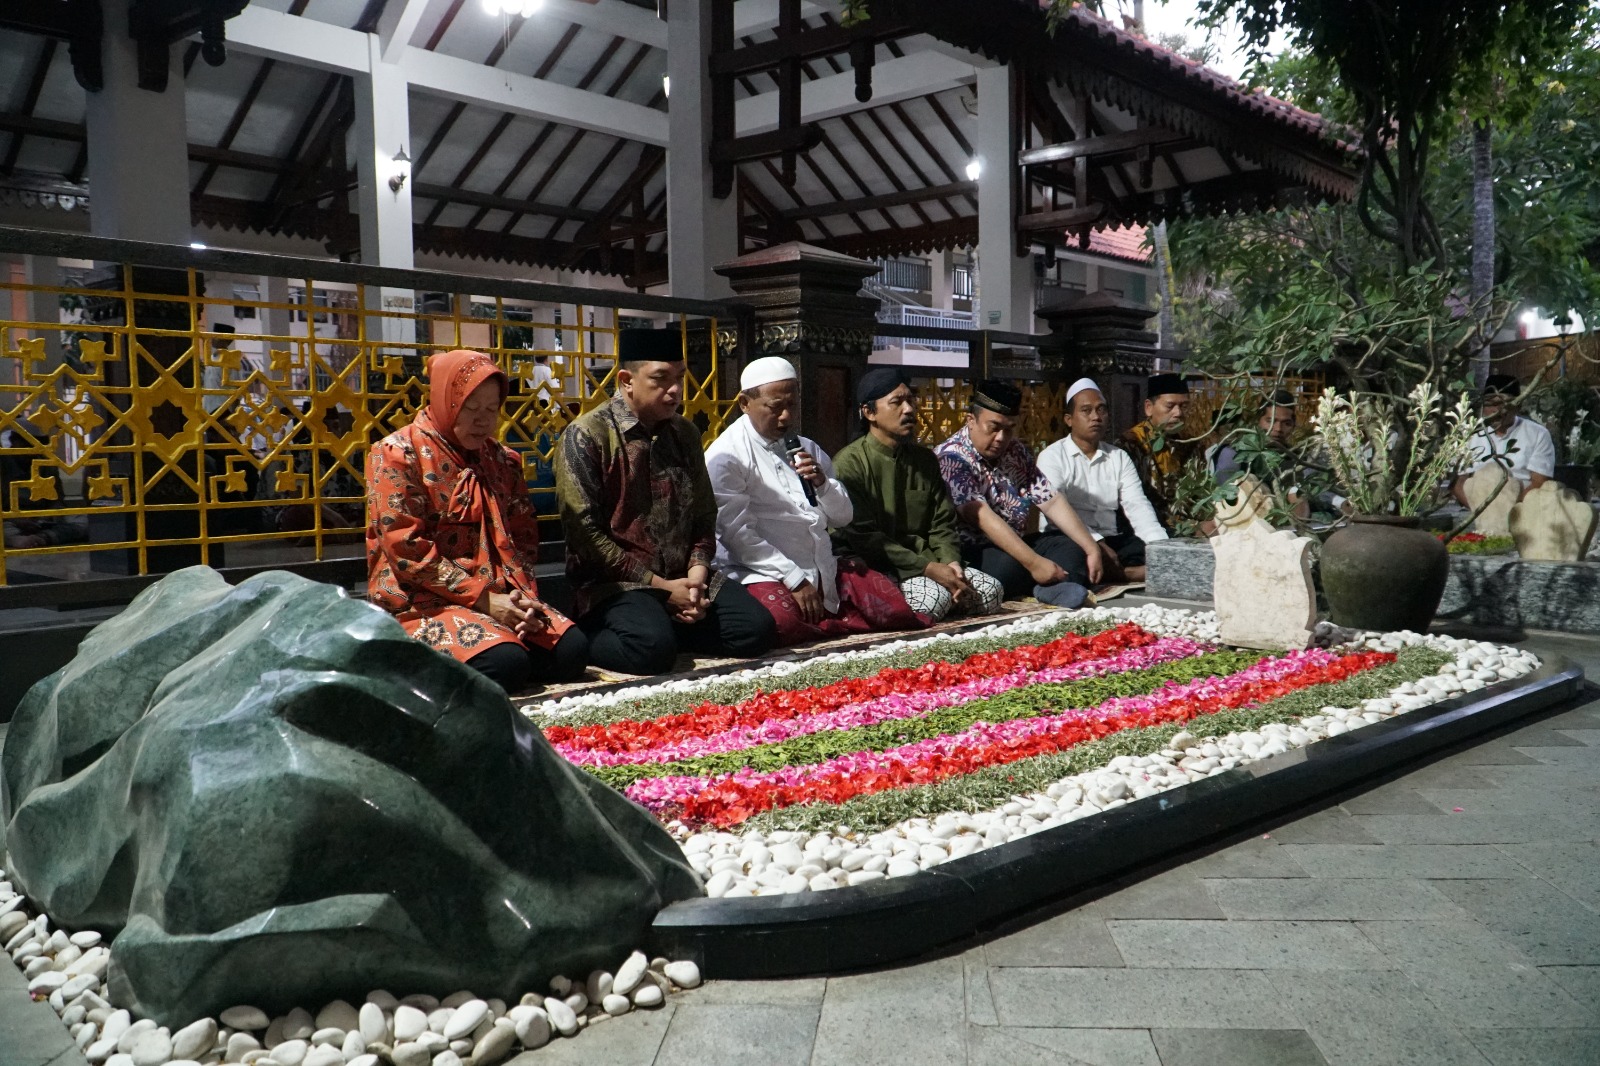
(776,500)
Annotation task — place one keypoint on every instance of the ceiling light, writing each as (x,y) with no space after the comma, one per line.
(974,168)
(666,85)
(198,246)
(523,8)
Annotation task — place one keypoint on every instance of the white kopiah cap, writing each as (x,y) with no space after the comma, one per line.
(1081,385)
(766,370)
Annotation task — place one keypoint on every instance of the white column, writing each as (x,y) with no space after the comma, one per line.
(702,231)
(138,146)
(943,267)
(383,129)
(1005,279)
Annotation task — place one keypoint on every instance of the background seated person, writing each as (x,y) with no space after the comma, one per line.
(452,538)
(772,533)
(1096,480)
(904,523)
(641,523)
(1276,426)
(996,488)
(1155,446)
(1519,444)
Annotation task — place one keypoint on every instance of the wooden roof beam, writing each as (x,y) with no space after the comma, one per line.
(1108,144)
(870,203)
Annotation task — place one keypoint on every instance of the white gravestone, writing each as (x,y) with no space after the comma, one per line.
(1262,588)
(1552,525)
(1493,483)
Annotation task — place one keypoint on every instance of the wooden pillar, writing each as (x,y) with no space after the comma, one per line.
(809,309)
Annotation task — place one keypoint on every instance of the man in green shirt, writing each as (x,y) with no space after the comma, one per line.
(905,524)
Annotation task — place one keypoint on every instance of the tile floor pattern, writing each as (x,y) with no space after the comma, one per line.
(1388,929)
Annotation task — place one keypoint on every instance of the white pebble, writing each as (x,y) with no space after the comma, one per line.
(648,995)
(684,974)
(409,1023)
(410,1054)
(533,1029)
(561,1016)
(465,1019)
(194,1039)
(616,1005)
(630,973)
(250,1019)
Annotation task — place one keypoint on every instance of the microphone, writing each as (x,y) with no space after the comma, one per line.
(791,444)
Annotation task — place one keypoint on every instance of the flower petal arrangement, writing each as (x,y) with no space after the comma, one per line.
(860,765)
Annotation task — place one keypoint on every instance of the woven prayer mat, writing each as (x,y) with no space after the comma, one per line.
(597,679)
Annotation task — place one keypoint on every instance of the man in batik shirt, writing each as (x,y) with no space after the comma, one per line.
(998,495)
(1155,445)
(641,524)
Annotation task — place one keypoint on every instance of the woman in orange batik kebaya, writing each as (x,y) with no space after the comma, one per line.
(452,538)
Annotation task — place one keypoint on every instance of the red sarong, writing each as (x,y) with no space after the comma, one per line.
(869,602)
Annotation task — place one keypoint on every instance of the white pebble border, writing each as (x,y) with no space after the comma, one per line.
(756,864)
(68,970)
(420,1030)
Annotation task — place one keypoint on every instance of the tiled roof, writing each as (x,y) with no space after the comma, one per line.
(1081,20)
(1125,242)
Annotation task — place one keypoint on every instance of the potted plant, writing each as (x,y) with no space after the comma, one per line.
(1383,571)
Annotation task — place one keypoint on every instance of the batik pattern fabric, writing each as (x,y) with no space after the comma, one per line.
(1011,485)
(636,502)
(445,527)
(1160,465)
(869,602)
(933,601)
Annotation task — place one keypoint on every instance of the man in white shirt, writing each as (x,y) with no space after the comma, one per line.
(1097,479)
(1522,446)
(776,500)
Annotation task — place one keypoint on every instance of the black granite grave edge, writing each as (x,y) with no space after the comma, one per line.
(812,933)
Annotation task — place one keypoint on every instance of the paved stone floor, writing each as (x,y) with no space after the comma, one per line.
(1450,915)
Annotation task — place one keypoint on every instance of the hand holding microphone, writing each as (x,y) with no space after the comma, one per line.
(810,472)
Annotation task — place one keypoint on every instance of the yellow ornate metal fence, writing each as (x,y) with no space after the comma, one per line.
(942,411)
(157,416)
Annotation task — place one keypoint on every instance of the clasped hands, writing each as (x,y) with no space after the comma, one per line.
(522,614)
(688,597)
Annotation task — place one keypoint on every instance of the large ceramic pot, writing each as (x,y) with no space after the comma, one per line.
(1384,573)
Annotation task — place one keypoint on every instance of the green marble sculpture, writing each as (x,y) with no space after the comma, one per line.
(269,794)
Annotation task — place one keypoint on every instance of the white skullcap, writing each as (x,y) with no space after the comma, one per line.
(767,370)
(1081,385)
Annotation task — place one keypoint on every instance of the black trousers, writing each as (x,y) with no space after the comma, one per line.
(633,633)
(1129,549)
(1057,547)
(514,667)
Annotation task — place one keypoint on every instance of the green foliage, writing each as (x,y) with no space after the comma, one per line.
(1411,66)
(1570,410)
